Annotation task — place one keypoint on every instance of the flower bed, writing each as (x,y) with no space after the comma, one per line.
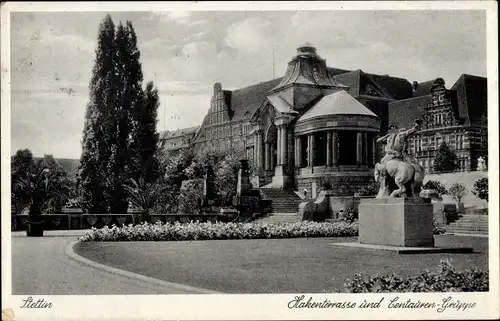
(219,231)
(446,279)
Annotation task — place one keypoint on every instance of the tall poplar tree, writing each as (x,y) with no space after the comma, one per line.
(146,137)
(99,124)
(120,135)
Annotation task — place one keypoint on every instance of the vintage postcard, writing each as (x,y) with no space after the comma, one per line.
(249,160)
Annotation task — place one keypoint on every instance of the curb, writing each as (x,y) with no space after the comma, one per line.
(467,234)
(131,275)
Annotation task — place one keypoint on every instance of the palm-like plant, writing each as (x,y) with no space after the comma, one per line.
(39,187)
(50,188)
(144,195)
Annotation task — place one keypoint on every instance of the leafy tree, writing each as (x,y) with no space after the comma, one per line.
(480,188)
(226,178)
(457,191)
(446,159)
(99,126)
(435,185)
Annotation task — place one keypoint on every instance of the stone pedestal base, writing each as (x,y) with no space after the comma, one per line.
(280,179)
(400,222)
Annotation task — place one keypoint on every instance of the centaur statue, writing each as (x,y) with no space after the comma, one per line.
(396,173)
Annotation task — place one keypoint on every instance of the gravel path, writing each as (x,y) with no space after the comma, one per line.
(40,266)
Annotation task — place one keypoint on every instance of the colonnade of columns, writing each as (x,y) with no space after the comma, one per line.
(264,151)
(365,154)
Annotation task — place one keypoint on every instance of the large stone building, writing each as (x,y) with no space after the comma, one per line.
(319,124)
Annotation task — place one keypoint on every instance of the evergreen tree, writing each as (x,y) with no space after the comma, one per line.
(446,160)
(99,124)
(120,156)
(146,137)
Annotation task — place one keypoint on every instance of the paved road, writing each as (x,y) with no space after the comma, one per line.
(40,266)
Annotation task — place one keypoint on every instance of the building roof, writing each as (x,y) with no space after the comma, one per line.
(280,103)
(471,98)
(245,101)
(68,165)
(336,71)
(390,87)
(351,79)
(169,134)
(423,88)
(403,113)
(338,103)
(398,88)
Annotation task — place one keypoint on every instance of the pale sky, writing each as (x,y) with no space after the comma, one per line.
(184,53)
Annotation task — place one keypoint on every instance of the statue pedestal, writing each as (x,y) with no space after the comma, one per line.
(396,221)
(402,225)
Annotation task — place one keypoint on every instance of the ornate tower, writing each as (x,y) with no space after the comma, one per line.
(306,79)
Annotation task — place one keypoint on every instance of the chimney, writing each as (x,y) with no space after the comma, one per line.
(415,86)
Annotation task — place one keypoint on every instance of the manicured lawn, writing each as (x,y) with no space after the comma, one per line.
(272,265)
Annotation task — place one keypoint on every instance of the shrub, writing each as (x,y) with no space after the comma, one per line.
(435,185)
(480,188)
(369,190)
(219,231)
(325,185)
(457,191)
(191,197)
(446,279)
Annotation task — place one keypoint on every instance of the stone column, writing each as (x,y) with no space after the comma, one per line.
(365,148)
(310,147)
(278,146)
(268,158)
(359,148)
(374,150)
(296,154)
(256,149)
(329,148)
(261,150)
(284,145)
(299,151)
(271,156)
(335,148)
(309,163)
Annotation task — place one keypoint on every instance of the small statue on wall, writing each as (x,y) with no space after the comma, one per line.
(481,164)
(396,174)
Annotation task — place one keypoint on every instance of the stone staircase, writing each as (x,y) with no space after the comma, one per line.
(469,224)
(283,201)
(285,205)
(280,218)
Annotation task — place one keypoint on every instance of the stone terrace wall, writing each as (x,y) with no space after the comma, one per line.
(465,178)
(345,185)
